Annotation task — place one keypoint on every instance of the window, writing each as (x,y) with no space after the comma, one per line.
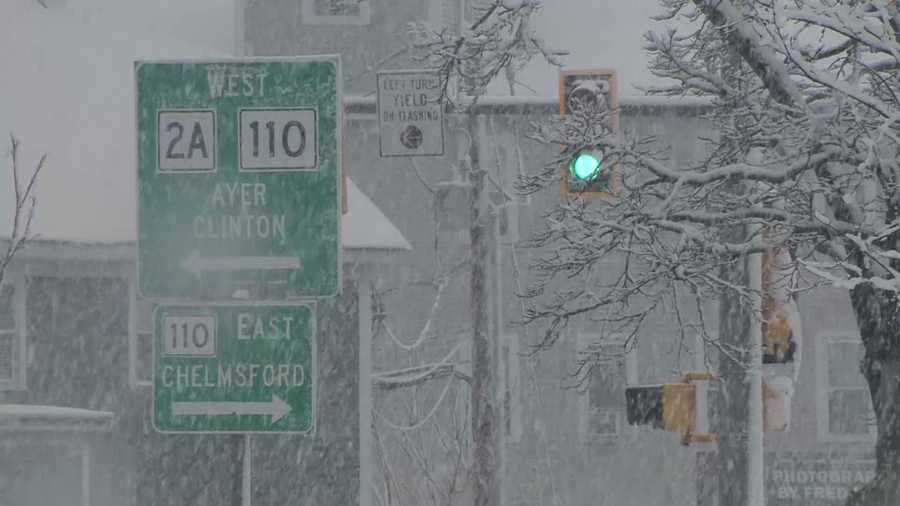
(140,340)
(613,370)
(336,12)
(844,404)
(12,333)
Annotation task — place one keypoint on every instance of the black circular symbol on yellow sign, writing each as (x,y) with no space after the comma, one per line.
(411,137)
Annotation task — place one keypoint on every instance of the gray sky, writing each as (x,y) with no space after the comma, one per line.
(69,89)
(598,33)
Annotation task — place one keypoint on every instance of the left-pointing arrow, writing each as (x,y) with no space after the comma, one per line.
(196,264)
(277,408)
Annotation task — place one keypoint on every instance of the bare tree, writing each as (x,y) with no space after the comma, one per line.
(806,102)
(24,205)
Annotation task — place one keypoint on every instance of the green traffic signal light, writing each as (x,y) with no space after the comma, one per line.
(585,166)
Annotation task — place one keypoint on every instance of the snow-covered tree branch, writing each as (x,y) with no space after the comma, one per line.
(807,116)
(24,203)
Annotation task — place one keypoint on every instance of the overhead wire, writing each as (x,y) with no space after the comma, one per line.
(424,420)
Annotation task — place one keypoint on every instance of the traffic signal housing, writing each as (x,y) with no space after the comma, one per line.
(671,406)
(592,94)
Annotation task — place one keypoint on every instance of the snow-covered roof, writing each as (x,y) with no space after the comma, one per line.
(67,90)
(32,417)
(366,227)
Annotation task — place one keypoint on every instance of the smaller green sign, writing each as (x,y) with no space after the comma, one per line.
(234,368)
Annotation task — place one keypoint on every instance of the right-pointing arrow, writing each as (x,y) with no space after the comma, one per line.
(277,408)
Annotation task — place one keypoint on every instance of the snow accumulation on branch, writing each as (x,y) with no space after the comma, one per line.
(800,154)
(419,374)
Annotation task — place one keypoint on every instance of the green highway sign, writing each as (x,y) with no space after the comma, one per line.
(239,177)
(234,368)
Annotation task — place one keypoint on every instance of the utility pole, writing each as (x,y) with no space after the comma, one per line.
(485,455)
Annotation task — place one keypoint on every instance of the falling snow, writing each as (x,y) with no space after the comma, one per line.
(714,322)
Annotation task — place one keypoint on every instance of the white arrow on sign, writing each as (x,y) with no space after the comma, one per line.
(276,407)
(195,264)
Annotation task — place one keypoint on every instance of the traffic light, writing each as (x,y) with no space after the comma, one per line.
(593,96)
(671,406)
